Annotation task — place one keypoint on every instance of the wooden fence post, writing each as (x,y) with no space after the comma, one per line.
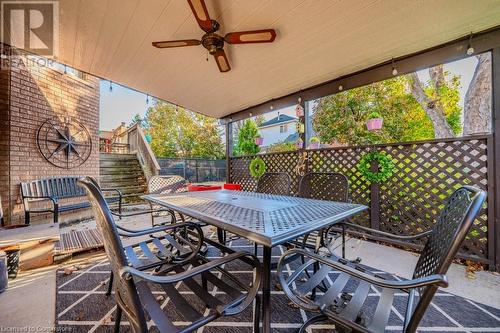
(374,200)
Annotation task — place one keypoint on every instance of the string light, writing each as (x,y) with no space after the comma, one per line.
(271,107)
(110,86)
(394,69)
(299,100)
(341,88)
(250,114)
(470,49)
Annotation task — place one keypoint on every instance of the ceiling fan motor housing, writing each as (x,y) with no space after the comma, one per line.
(212,42)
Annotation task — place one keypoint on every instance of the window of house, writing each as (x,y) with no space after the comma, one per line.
(284,128)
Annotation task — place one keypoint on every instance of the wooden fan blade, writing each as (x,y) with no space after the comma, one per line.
(221,60)
(176,43)
(254,36)
(201,13)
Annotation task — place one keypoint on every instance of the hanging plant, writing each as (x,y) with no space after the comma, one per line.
(385,166)
(259,140)
(257,167)
(374,122)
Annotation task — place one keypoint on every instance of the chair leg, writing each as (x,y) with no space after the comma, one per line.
(118,319)
(343,241)
(110,285)
(256,315)
(311,321)
(204,283)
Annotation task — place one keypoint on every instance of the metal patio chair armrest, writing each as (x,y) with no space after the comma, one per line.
(120,196)
(127,272)
(122,231)
(380,232)
(439,280)
(143,212)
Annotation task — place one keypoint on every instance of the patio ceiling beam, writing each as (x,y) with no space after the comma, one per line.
(454,50)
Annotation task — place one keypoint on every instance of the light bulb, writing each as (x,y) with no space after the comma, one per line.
(341,88)
(394,71)
(470,50)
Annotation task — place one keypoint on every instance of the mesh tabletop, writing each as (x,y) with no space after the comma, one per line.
(263,218)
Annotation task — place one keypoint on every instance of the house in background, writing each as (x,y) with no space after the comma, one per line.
(278,129)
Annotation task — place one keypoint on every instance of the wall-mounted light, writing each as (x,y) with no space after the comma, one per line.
(394,69)
(470,49)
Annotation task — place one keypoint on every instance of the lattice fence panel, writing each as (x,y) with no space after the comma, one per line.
(425,175)
(240,173)
(345,161)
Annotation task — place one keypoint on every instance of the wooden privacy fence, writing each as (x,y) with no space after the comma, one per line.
(425,174)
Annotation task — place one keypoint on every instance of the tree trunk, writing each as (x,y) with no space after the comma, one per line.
(477,102)
(432,108)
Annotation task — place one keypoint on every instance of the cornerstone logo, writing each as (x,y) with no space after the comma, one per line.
(31,25)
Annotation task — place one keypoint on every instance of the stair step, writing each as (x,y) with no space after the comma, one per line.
(109,163)
(138,176)
(132,190)
(103,156)
(119,169)
(123,172)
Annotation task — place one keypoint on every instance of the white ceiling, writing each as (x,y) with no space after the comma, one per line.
(317,40)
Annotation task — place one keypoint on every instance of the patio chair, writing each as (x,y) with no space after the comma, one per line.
(168,245)
(331,186)
(134,290)
(274,183)
(347,309)
(166,184)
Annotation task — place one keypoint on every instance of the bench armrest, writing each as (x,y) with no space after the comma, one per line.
(40,198)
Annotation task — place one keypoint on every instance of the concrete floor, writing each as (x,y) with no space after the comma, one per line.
(30,299)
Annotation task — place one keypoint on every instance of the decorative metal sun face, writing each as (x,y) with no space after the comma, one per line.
(64,142)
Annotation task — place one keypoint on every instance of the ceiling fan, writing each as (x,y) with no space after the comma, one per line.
(214,42)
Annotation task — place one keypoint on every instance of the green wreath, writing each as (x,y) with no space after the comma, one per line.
(385,166)
(257,167)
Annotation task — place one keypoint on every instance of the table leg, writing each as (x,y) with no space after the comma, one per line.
(266,290)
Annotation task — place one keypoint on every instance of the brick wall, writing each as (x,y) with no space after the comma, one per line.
(4,138)
(36,94)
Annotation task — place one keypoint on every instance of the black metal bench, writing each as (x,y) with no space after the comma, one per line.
(57,188)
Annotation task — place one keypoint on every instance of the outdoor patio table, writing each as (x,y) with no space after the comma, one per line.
(265,219)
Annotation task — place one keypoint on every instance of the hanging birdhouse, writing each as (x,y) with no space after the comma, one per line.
(299,111)
(300,127)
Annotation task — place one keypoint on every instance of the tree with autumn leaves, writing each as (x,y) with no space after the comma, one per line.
(412,110)
(177,132)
